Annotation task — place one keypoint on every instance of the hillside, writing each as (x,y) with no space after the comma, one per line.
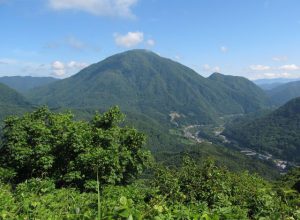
(11,102)
(24,83)
(141,81)
(285,92)
(239,94)
(277,133)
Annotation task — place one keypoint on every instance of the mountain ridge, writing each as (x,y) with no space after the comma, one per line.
(24,83)
(284,92)
(142,81)
(277,132)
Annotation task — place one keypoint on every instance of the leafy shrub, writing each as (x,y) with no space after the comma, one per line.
(45,144)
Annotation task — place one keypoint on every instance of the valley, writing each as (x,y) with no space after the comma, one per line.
(213,134)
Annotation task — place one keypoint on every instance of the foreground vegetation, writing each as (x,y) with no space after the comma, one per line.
(53,167)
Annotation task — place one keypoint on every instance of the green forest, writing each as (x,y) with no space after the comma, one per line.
(55,167)
(276,132)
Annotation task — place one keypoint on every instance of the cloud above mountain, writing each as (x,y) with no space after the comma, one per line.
(61,69)
(290,67)
(210,69)
(130,39)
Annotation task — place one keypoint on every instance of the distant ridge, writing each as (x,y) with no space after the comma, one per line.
(285,92)
(275,80)
(240,92)
(276,133)
(24,83)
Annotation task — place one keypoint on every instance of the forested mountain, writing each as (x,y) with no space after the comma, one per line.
(11,102)
(25,83)
(239,94)
(277,132)
(285,92)
(141,81)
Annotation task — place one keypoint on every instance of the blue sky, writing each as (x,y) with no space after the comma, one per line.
(251,38)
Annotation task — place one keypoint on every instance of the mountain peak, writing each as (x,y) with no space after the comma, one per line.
(142,81)
(136,52)
(216,74)
(139,51)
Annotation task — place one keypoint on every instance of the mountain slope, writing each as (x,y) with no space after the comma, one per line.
(277,133)
(141,81)
(239,94)
(11,102)
(283,93)
(24,83)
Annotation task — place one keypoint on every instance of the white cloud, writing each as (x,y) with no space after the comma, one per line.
(277,75)
(224,49)
(119,8)
(58,65)
(260,67)
(280,58)
(77,65)
(61,69)
(216,69)
(150,42)
(130,39)
(58,68)
(209,68)
(177,57)
(11,67)
(289,67)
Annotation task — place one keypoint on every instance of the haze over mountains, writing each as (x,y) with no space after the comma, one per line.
(274,81)
(141,81)
(24,83)
(281,94)
(280,90)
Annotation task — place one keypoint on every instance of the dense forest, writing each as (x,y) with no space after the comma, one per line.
(276,132)
(55,167)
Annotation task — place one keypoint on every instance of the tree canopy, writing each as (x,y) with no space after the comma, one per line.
(46,144)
